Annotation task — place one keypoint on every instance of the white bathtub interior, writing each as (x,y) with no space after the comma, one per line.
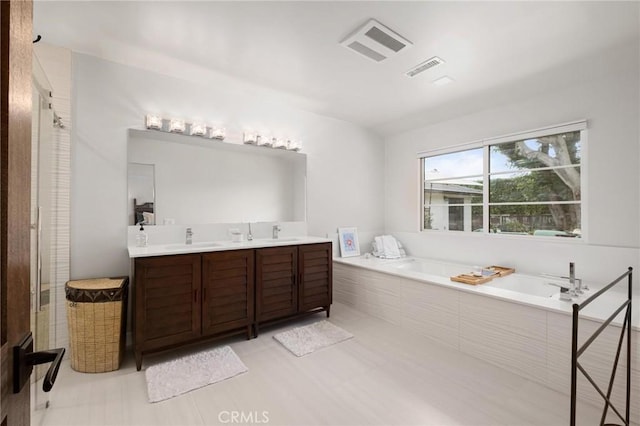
(534,286)
(531,285)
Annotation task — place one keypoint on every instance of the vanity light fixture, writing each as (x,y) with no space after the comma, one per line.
(153,121)
(198,129)
(177,125)
(217,133)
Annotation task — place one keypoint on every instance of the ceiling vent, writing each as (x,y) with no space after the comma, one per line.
(375,41)
(428,64)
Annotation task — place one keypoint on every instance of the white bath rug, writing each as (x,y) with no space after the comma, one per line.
(190,372)
(304,340)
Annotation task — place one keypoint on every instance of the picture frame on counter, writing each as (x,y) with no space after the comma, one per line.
(348,239)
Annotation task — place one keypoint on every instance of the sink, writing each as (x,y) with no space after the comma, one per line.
(192,245)
(280,240)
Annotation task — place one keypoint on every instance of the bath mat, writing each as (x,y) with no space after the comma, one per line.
(190,372)
(304,340)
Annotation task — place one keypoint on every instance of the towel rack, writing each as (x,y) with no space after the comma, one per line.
(577,351)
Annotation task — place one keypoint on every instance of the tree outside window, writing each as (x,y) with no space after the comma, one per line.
(533,187)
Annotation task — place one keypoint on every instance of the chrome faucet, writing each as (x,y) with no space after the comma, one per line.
(189,236)
(572,279)
(249,234)
(565,292)
(276,229)
(575,287)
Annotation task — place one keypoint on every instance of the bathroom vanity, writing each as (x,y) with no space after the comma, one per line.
(190,293)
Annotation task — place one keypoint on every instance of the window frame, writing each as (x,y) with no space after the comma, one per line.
(486,144)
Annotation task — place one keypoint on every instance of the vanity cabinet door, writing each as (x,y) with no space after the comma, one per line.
(227,290)
(316,276)
(167,301)
(276,282)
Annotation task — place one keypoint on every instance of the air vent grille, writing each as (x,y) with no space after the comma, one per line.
(428,64)
(370,53)
(375,41)
(384,39)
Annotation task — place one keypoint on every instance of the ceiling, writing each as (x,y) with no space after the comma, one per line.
(495,51)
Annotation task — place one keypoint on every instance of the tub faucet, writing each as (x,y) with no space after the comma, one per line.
(575,287)
(276,229)
(189,236)
(576,283)
(565,292)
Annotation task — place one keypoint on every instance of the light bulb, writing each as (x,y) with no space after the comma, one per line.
(177,125)
(250,138)
(217,133)
(198,129)
(293,145)
(264,140)
(153,121)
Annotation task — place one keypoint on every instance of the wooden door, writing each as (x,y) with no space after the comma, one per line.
(227,291)
(15,184)
(276,282)
(316,276)
(166,302)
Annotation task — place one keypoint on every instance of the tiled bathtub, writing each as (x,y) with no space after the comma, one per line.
(514,323)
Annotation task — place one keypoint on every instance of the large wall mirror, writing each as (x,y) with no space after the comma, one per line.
(178,179)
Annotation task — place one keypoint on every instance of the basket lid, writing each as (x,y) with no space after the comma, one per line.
(96,289)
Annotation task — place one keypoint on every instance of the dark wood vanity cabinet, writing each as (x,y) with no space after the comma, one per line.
(276,282)
(227,291)
(186,298)
(181,299)
(165,313)
(315,288)
(293,280)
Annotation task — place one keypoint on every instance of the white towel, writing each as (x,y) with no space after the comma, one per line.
(378,248)
(390,247)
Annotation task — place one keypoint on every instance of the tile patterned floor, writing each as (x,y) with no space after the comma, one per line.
(383,376)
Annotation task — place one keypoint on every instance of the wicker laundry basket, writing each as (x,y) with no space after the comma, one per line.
(96,315)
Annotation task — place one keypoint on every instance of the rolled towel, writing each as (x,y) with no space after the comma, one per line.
(379,247)
(390,247)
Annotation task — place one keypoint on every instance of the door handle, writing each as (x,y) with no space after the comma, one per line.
(24,359)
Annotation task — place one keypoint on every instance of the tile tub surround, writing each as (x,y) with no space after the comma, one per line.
(524,334)
(438,273)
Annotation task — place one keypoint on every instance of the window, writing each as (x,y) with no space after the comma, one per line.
(453,191)
(524,184)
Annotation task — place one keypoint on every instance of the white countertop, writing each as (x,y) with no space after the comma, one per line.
(598,310)
(210,246)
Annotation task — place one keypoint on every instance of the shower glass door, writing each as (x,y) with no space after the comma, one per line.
(41,207)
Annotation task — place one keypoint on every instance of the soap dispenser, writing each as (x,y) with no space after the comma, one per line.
(142,239)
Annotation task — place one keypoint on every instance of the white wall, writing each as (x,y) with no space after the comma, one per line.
(344,170)
(606,93)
